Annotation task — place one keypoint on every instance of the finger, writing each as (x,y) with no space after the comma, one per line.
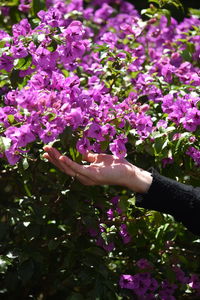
(51,154)
(77,168)
(66,169)
(90,157)
(62,162)
(54,155)
(59,166)
(54,152)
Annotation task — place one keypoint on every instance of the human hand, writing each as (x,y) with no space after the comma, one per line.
(103,169)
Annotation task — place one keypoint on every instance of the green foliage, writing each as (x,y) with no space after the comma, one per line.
(162,3)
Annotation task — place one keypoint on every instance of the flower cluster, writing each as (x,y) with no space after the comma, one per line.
(145,286)
(91,75)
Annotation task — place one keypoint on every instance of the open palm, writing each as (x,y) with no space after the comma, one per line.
(102,168)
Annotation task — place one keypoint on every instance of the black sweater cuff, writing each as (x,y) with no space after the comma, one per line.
(171,197)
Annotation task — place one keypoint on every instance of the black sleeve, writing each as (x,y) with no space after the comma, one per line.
(171,197)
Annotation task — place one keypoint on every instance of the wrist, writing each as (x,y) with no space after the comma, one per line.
(139,180)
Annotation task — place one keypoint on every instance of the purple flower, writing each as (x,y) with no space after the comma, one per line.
(167,161)
(194,282)
(117,147)
(51,17)
(83,145)
(192,119)
(19,51)
(194,153)
(20,136)
(108,130)
(128,282)
(13,154)
(24,6)
(180,275)
(153,285)
(45,59)
(108,247)
(143,263)
(22,28)
(74,31)
(167,290)
(115,200)
(93,232)
(124,234)
(6,62)
(103,13)
(161,123)
(75,117)
(110,214)
(109,38)
(144,282)
(95,132)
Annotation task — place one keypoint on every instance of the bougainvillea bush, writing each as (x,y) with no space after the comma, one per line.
(100,77)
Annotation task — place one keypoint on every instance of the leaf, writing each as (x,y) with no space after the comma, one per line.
(37,5)
(53,244)
(15,79)
(4,230)
(104,144)
(3,83)
(25,271)
(76,296)
(52,47)
(11,119)
(25,163)
(19,63)
(4,144)
(9,3)
(194,12)
(167,14)
(72,152)
(2,43)
(155,1)
(99,48)
(24,63)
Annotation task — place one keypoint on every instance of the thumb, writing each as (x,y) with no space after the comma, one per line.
(90,156)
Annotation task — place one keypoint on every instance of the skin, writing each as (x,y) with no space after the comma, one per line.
(102,169)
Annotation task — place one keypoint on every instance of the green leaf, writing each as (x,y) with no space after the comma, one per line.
(105,144)
(2,43)
(51,116)
(4,230)
(11,119)
(3,83)
(24,63)
(25,271)
(155,1)
(4,143)
(72,152)
(15,78)
(167,14)
(9,3)
(53,244)
(25,163)
(19,63)
(76,296)
(194,12)
(37,5)
(52,47)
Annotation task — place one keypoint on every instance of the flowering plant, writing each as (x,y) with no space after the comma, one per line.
(98,78)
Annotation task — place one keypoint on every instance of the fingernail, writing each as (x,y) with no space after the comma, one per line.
(45,148)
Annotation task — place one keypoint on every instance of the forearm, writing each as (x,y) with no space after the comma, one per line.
(171,197)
